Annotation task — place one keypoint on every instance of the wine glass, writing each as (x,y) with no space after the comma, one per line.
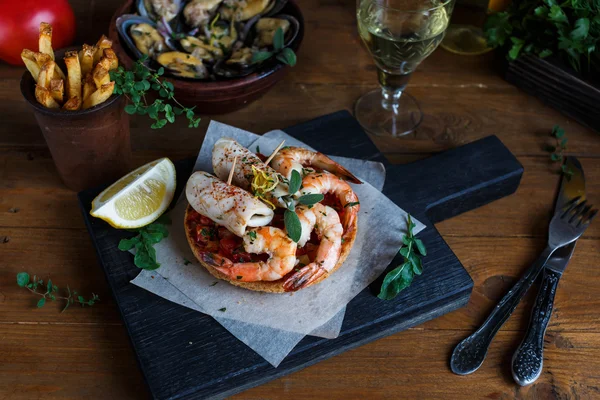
(399,34)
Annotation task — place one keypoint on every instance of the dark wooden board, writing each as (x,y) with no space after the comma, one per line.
(216,364)
(558,86)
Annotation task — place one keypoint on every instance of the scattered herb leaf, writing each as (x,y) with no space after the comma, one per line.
(402,276)
(24,280)
(147,237)
(310,199)
(292,225)
(223,309)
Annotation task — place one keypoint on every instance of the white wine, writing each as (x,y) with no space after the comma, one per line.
(399,41)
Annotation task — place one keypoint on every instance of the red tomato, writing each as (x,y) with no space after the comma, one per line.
(20,23)
(228,245)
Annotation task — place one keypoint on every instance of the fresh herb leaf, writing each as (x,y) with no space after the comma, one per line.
(252,234)
(186,261)
(278,39)
(295,182)
(352,204)
(402,276)
(292,225)
(214,283)
(136,85)
(261,56)
(223,309)
(23,280)
(147,237)
(311,199)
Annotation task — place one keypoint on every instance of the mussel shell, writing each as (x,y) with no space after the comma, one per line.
(145,9)
(224,70)
(275,8)
(125,22)
(290,35)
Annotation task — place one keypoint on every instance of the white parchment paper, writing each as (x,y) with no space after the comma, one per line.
(261,320)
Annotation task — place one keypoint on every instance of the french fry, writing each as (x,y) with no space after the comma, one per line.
(99,96)
(110,55)
(89,86)
(43,58)
(100,75)
(86,59)
(57,89)
(43,96)
(46,74)
(103,43)
(73,104)
(45,39)
(73,74)
(29,60)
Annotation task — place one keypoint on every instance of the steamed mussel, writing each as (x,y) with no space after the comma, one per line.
(205,39)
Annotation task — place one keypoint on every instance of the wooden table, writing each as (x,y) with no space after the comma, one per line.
(85,353)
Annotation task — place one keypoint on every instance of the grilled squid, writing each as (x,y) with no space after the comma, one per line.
(249,169)
(226,205)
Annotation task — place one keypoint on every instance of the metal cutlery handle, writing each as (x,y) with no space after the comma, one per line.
(528,359)
(470,353)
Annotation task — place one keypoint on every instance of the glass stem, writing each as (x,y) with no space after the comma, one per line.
(392,86)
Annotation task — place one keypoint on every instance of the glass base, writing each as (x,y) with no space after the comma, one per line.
(382,119)
(465,40)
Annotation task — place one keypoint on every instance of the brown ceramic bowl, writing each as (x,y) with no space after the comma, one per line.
(222,96)
(89,147)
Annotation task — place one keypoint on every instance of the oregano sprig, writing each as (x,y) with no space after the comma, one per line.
(49,291)
(557,152)
(143,242)
(136,84)
(281,53)
(402,276)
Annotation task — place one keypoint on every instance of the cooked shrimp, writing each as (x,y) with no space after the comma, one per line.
(273,241)
(326,223)
(296,158)
(323,182)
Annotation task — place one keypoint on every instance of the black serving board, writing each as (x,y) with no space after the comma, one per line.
(559,86)
(216,364)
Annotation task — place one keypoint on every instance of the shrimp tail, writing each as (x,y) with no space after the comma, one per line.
(307,275)
(215,260)
(328,164)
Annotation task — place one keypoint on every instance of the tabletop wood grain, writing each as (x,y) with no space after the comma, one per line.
(85,353)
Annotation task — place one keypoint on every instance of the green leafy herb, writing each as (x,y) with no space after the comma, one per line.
(223,309)
(147,237)
(402,276)
(284,54)
(295,182)
(310,199)
(351,204)
(136,84)
(570,30)
(557,151)
(257,149)
(252,234)
(186,261)
(292,225)
(214,283)
(51,292)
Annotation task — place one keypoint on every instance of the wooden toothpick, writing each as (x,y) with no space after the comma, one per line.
(274,152)
(231,172)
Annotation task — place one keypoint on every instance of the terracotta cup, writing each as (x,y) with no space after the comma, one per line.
(89,147)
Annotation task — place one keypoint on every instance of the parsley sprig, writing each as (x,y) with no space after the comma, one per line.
(136,84)
(569,29)
(51,292)
(281,53)
(402,276)
(147,237)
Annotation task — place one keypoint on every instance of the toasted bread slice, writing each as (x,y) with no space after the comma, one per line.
(265,286)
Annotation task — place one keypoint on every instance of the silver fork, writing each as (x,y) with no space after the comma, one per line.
(565,228)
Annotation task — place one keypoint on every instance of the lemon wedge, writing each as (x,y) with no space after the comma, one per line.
(138,198)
